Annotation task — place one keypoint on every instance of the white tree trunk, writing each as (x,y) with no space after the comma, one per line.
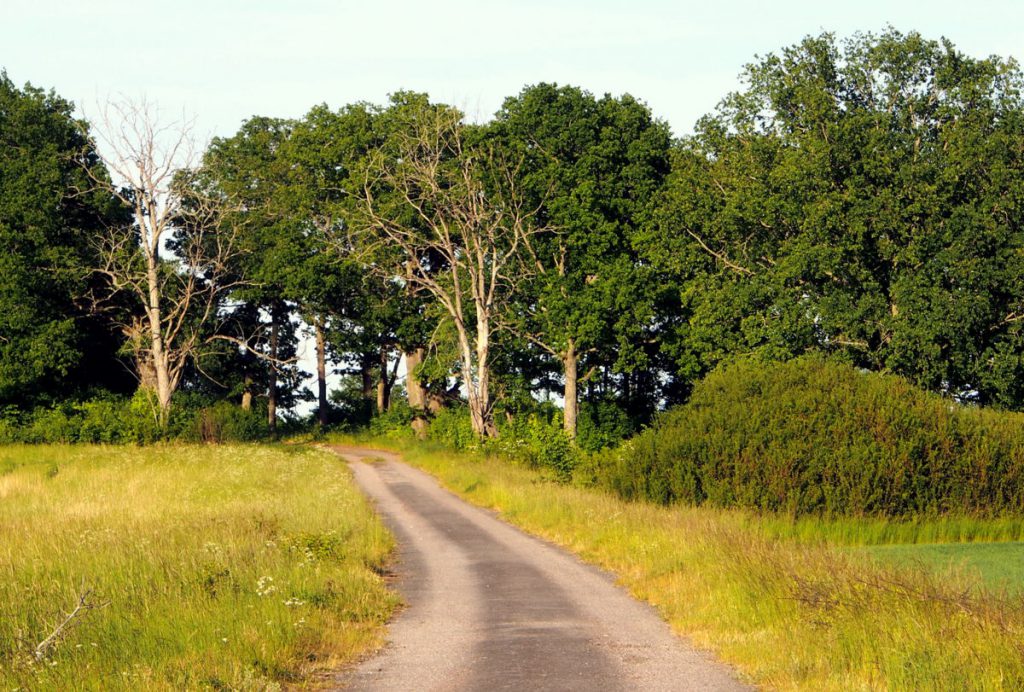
(570,365)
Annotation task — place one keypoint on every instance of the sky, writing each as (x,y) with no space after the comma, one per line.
(223,61)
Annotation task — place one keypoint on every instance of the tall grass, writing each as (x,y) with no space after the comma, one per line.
(789,614)
(235,567)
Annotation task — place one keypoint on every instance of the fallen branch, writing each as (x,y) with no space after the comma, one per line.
(80,608)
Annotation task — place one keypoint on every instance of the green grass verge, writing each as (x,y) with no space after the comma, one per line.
(999,566)
(791,614)
(233,567)
(869,531)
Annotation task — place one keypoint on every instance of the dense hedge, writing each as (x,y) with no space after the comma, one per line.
(817,437)
(118,420)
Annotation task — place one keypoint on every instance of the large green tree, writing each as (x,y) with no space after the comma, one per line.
(248,167)
(588,165)
(435,222)
(51,346)
(864,198)
(321,156)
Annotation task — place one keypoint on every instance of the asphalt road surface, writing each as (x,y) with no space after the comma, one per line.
(491,608)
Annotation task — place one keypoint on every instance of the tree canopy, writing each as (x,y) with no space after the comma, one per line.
(51,343)
(862,198)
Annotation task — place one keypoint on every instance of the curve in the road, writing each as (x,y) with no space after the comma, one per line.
(490,607)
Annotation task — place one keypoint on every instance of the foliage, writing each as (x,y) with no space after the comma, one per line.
(534,438)
(452,427)
(861,197)
(395,422)
(351,404)
(588,165)
(537,440)
(105,419)
(225,421)
(134,420)
(603,423)
(816,437)
(50,344)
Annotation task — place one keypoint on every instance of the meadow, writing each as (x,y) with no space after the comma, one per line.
(791,606)
(215,567)
(259,567)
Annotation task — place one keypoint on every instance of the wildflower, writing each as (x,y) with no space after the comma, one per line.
(265,586)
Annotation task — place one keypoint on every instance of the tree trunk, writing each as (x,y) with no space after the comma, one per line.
(272,387)
(476,376)
(414,389)
(383,383)
(366,373)
(483,377)
(157,351)
(247,393)
(321,371)
(416,392)
(466,366)
(570,368)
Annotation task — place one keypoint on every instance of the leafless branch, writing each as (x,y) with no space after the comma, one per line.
(83,606)
(152,164)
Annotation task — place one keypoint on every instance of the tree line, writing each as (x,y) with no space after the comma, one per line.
(862,198)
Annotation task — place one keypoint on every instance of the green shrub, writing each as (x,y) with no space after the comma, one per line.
(538,441)
(60,423)
(534,439)
(602,424)
(119,421)
(395,422)
(10,424)
(816,437)
(134,420)
(226,421)
(104,419)
(452,427)
(350,405)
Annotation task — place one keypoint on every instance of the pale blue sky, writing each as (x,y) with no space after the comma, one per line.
(225,60)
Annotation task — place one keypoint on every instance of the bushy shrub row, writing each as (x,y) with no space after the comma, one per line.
(111,420)
(225,421)
(116,420)
(395,422)
(817,437)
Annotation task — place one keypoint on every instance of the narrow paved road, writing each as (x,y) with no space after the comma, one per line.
(491,608)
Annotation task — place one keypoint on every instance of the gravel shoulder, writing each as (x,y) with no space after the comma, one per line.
(490,607)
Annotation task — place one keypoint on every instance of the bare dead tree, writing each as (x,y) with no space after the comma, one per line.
(180,291)
(446,210)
